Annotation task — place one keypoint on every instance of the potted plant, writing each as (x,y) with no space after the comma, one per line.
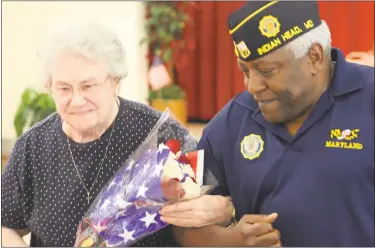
(34,107)
(165,23)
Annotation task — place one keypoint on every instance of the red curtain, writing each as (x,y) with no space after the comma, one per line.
(210,76)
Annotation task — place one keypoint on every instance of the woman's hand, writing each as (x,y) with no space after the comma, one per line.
(13,237)
(203,211)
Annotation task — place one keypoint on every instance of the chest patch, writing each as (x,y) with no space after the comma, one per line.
(346,139)
(252,146)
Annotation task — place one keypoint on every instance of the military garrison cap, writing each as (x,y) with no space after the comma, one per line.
(261,27)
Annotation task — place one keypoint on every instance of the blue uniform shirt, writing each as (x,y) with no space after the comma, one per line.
(321,181)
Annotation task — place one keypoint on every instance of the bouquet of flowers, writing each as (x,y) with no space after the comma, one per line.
(126,209)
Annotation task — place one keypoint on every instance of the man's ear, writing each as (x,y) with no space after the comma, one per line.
(316,58)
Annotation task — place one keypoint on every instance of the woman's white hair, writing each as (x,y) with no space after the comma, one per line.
(320,35)
(89,39)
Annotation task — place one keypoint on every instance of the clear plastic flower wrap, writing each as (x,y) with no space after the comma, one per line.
(164,168)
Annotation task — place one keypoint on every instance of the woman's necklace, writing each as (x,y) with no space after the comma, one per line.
(89,196)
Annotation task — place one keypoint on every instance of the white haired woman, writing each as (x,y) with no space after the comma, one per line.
(58,167)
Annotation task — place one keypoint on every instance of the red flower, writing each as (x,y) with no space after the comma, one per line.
(193,160)
(183,159)
(174,145)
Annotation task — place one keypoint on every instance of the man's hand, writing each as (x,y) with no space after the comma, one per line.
(257,230)
(203,211)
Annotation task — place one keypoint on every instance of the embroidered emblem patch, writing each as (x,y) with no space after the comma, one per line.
(344,139)
(269,26)
(252,146)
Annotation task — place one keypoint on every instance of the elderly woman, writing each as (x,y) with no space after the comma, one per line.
(58,167)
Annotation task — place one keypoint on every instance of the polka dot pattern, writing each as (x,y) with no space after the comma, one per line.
(41,190)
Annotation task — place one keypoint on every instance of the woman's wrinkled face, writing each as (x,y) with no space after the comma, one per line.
(282,85)
(82,90)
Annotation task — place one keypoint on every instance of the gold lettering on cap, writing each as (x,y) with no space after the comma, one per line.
(291,33)
(308,24)
(269,46)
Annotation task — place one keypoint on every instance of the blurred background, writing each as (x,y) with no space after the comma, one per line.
(180,54)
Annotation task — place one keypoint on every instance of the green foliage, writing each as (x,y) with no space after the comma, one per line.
(164,27)
(34,107)
(169,92)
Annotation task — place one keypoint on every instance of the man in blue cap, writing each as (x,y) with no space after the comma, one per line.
(295,151)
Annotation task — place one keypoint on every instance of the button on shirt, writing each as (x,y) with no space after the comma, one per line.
(321,181)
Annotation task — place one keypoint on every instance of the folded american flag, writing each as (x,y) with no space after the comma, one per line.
(126,210)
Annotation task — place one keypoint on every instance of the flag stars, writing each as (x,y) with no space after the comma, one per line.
(142,190)
(158,169)
(128,236)
(149,219)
